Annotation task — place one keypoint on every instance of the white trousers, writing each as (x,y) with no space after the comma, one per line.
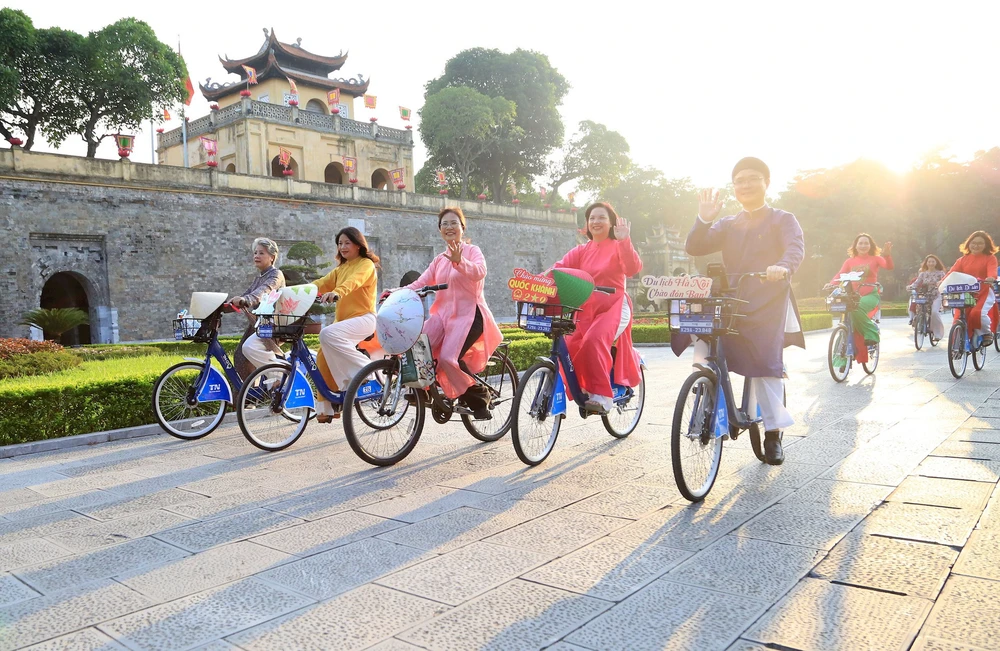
(257,352)
(986,325)
(765,392)
(339,340)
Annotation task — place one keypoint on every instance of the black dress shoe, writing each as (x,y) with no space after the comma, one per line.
(773,454)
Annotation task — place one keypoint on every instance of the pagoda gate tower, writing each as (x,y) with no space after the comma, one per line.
(251,130)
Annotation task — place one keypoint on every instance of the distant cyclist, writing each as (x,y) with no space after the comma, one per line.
(866,257)
(979,259)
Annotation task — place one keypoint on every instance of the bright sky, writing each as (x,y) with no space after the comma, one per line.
(693,86)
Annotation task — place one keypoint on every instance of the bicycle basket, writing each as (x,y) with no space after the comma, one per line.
(280,326)
(545,318)
(920,299)
(840,303)
(186,328)
(704,316)
(958,300)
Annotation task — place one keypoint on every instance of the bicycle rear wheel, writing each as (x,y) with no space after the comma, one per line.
(383,428)
(872,363)
(535,428)
(501,376)
(918,330)
(979,357)
(957,359)
(837,359)
(177,410)
(624,416)
(694,452)
(262,417)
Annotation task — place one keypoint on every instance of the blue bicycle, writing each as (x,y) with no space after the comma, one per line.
(844,301)
(540,401)
(960,340)
(706,411)
(190,398)
(277,400)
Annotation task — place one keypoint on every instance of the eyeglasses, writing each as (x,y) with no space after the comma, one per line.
(748,181)
(452,224)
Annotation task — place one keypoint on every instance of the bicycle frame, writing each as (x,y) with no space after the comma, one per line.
(298,393)
(560,363)
(211,385)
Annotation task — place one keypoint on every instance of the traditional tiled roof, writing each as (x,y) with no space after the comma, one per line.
(269,68)
(289,54)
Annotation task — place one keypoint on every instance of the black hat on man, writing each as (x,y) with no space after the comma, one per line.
(751,163)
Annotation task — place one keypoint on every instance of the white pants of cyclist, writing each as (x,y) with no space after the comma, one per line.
(608,401)
(257,351)
(339,343)
(986,325)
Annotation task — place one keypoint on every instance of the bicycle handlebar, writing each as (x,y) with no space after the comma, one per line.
(426,289)
(605,290)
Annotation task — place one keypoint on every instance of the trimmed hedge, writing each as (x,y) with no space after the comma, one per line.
(38,363)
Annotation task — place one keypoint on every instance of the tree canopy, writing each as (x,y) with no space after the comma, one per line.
(596,157)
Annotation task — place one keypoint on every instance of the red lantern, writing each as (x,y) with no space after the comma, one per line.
(443,191)
(562,210)
(335,110)
(16,142)
(293,102)
(547,206)
(212,163)
(373,119)
(353,181)
(214,106)
(409,127)
(516,201)
(401,187)
(245,92)
(482,196)
(159,130)
(288,172)
(123,152)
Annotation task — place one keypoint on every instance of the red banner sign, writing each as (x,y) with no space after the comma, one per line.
(531,288)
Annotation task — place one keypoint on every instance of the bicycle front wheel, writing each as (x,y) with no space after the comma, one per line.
(382,427)
(264,420)
(695,452)
(837,359)
(535,428)
(918,331)
(957,359)
(624,416)
(501,376)
(177,410)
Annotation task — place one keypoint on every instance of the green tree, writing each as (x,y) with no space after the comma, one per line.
(459,125)
(646,197)
(128,76)
(596,157)
(39,78)
(54,322)
(536,88)
(305,271)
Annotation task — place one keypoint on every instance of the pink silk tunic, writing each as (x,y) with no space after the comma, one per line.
(610,262)
(452,315)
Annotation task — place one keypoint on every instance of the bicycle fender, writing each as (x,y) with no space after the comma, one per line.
(547,362)
(200,360)
(216,387)
(301,394)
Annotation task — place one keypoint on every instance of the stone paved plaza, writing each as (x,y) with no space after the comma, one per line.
(881,531)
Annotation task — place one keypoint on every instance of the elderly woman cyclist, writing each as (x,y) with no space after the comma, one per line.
(255,351)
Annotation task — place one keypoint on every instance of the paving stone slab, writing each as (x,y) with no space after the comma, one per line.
(89,639)
(392,644)
(757,569)
(609,568)
(202,571)
(121,508)
(968,450)
(458,576)
(809,524)
(354,620)
(669,616)
(626,501)
(981,555)
(692,527)
(967,612)
(29,509)
(203,617)
(911,568)
(934,491)
(838,495)
(333,501)
(12,590)
(925,643)
(206,508)
(517,615)
(558,532)
(220,531)
(29,552)
(68,486)
(331,573)
(790,473)
(43,618)
(112,532)
(875,467)
(976,435)
(746,645)
(967,469)
(320,535)
(991,516)
(732,493)
(98,564)
(423,504)
(935,524)
(43,525)
(821,616)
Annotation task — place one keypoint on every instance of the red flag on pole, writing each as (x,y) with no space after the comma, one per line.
(166,115)
(370,101)
(189,87)
(251,74)
(284,157)
(333,97)
(291,84)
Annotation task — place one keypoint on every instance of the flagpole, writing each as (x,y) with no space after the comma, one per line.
(184,130)
(152,143)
